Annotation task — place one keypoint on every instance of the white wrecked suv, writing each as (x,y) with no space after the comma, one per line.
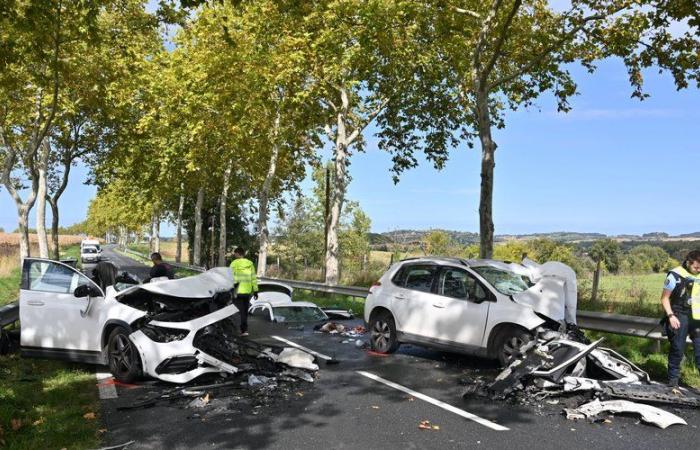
(485,308)
(174,330)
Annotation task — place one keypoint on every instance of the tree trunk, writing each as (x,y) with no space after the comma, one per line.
(178,233)
(53,201)
(596,281)
(342,142)
(212,242)
(222,215)
(23,225)
(488,150)
(55,250)
(41,175)
(156,233)
(263,200)
(197,250)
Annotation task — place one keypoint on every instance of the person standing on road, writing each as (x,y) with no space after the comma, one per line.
(246,282)
(159,269)
(681,302)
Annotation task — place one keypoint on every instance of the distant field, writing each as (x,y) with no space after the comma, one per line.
(167,249)
(634,286)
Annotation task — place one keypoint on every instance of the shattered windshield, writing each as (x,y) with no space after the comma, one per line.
(504,281)
(298,314)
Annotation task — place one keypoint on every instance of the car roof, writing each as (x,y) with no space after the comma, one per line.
(474,262)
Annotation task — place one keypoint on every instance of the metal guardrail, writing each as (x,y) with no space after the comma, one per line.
(644,327)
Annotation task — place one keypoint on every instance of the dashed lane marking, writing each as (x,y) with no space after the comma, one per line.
(438,403)
(106,390)
(301,347)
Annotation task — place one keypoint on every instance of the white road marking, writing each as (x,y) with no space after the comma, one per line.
(107,390)
(438,403)
(301,347)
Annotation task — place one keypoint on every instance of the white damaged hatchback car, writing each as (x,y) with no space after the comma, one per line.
(480,307)
(174,330)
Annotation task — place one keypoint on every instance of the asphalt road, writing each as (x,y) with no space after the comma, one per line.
(346,409)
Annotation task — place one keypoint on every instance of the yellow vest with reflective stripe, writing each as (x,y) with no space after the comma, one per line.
(695,293)
(244,275)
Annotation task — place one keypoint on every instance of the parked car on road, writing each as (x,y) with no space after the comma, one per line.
(481,307)
(169,330)
(89,254)
(91,243)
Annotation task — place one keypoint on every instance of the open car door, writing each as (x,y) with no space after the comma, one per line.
(54,322)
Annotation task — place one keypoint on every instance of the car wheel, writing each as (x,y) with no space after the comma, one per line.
(508,345)
(382,331)
(122,356)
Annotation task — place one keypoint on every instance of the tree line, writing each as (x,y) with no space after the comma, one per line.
(223,118)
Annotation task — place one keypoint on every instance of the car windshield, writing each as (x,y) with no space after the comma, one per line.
(504,281)
(89,250)
(298,314)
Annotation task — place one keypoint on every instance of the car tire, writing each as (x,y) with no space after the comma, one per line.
(508,343)
(382,333)
(122,356)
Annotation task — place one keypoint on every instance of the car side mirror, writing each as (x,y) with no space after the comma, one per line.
(86,290)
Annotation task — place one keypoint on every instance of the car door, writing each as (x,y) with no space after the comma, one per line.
(412,297)
(459,310)
(54,321)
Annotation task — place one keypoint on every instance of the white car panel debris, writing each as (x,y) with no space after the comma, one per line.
(293,357)
(649,414)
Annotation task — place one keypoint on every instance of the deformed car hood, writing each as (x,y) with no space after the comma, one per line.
(204,285)
(545,297)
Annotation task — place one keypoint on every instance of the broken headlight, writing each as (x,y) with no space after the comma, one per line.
(162,334)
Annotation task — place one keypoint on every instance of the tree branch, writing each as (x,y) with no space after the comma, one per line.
(484,32)
(499,43)
(546,52)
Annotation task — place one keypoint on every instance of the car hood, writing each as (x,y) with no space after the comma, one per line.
(546,297)
(204,285)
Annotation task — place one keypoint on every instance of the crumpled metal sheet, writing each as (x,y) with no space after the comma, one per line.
(293,357)
(649,414)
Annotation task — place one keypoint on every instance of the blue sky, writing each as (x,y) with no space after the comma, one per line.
(613,165)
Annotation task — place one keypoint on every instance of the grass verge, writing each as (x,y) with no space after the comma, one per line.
(47,404)
(643,352)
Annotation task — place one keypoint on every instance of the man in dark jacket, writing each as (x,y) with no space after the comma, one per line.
(159,269)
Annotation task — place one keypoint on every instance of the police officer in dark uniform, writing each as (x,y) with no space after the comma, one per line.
(681,303)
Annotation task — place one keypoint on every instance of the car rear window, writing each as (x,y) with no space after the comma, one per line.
(298,314)
(416,277)
(504,281)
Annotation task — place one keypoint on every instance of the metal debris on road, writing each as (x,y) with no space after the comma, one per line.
(553,364)
(649,414)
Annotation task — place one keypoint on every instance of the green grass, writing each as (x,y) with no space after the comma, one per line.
(636,295)
(9,287)
(46,401)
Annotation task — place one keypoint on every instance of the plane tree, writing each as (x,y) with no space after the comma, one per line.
(502,55)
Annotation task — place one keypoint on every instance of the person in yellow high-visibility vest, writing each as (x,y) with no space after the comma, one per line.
(681,302)
(246,283)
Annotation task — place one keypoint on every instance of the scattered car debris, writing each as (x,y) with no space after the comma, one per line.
(553,364)
(649,414)
(294,357)
(335,313)
(426,425)
(331,328)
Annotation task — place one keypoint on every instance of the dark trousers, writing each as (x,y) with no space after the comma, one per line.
(677,338)
(242,302)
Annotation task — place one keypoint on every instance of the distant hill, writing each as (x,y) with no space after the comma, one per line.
(467,237)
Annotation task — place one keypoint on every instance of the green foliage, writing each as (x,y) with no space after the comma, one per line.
(437,243)
(299,238)
(606,251)
(647,258)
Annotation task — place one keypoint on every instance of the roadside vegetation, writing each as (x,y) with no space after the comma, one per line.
(43,404)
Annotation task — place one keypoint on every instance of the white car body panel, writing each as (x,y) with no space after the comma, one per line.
(56,323)
(469,324)
(154,353)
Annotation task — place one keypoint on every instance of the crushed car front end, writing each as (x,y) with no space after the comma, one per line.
(188,328)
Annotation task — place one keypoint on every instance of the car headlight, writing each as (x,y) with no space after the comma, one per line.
(162,334)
